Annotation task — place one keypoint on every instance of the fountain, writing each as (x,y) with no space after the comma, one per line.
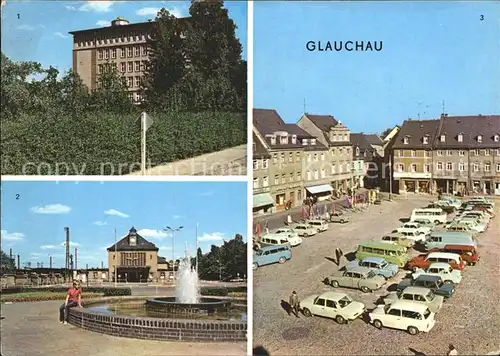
(187,302)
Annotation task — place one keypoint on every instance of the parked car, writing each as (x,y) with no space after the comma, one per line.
(334,305)
(481,215)
(426,223)
(474,223)
(452,201)
(398,239)
(425,260)
(320,225)
(356,277)
(304,230)
(419,295)
(271,254)
(413,234)
(434,283)
(280,239)
(443,270)
(482,200)
(448,209)
(342,219)
(403,315)
(468,253)
(291,235)
(377,264)
(413,225)
(457,226)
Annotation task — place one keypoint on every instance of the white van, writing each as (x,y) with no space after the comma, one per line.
(440,240)
(280,239)
(320,225)
(436,215)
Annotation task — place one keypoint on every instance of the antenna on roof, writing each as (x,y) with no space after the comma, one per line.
(443,107)
(305,111)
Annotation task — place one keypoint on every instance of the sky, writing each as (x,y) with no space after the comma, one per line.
(34,215)
(432,51)
(38,30)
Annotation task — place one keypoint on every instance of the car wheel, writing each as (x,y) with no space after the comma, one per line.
(378,324)
(365,289)
(334,284)
(448,282)
(255,266)
(436,222)
(412,330)
(414,268)
(472,263)
(340,319)
(342,221)
(306,312)
(282,260)
(305,234)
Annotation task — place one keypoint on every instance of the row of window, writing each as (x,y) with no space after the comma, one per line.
(122,52)
(135,97)
(342,137)
(101,40)
(448,166)
(125,67)
(342,167)
(427,153)
(282,157)
(442,138)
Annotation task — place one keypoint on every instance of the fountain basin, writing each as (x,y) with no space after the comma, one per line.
(169,307)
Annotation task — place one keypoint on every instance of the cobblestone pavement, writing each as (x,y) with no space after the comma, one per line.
(238,167)
(469,320)
(31,329)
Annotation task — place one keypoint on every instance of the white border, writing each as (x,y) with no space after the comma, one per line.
(127,178)
(249,177)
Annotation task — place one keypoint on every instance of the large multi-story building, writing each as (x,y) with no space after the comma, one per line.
(366,159)
(451,154)
(122,44)
(336,137)
(289,164)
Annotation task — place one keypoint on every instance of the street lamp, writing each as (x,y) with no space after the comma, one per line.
(173,231)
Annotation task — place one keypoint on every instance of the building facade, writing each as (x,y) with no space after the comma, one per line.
(336,138)
(135,259)
(454,154)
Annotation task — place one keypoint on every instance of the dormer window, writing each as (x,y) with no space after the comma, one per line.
(273,140)
(480,138)
(425,140)
(357,151)
(294,139)
(313,141)
(406,140)
(304,141)
(496,138)
(284,140)
(254,147)
(442,138)
(460,137)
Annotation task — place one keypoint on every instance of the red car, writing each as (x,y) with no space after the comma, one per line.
(468,253)
(423,261)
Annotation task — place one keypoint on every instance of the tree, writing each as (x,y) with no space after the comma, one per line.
(167,63)
(6,263)
(386,132)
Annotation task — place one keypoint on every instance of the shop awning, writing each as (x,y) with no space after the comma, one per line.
(316,189)
(262,199)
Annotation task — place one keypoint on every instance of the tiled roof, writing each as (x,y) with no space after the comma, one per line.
(374,139)
(325,123)
(141,243)
(471,127)
(268,122)
(360,140)
(415,131)
(259,151)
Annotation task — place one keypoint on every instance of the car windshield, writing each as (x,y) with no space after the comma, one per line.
(383,265)
(258,253)
(430,296)
(370,274)
(345,301)
(427,313)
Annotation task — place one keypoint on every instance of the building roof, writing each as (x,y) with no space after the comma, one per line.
(130,26)
(259,151)
(325,124)
(141,243)
(374,139)
(415,131)
(360,140)
(269,123)
(470,127)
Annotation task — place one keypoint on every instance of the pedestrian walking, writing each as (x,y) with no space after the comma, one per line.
(338,255)
(294,303)
(452,350)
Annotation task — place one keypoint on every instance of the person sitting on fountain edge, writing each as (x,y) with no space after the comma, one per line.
(73,299)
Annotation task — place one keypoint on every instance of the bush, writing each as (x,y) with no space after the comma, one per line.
(237,294)
(105,291)
(110,144)
(40,298)
(222,291)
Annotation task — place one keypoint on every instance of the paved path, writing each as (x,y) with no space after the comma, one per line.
(228,162)
(33,329)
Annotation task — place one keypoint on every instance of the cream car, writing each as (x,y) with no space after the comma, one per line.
(410,316)
(419,295)
(441,269)
(333,305)
(319,225)
(304,230)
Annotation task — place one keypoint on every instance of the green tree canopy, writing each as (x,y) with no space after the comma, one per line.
(6,263)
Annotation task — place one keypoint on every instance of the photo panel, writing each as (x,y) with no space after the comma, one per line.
(376,178)
(127,267)
(153,88)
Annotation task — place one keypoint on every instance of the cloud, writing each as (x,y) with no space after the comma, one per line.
(116,213)
(96,6)
(51,209)
(153,234)
(148,11)
(206,194)
(176,216)
(12,236)
(49,247)
(214,236)
(71,244)
(25,28)
(103,23)
(60,246)
(100,223)
(59,34)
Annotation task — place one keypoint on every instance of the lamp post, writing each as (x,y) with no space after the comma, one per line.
(173,231)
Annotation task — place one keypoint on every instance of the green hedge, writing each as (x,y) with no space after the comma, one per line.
(110,144)
(104,290)
(221,291)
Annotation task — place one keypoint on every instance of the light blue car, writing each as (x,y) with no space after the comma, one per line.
(272,254)
(377,265)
